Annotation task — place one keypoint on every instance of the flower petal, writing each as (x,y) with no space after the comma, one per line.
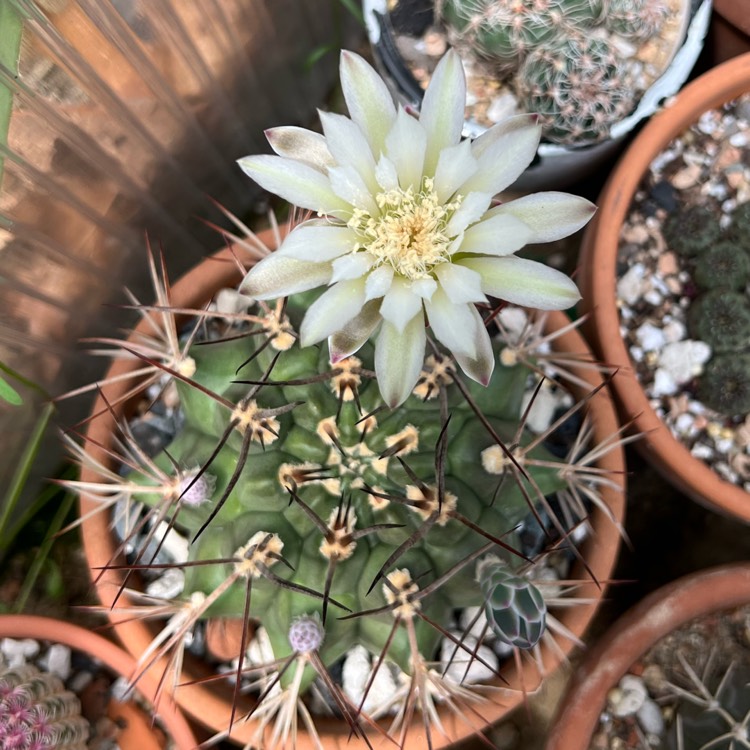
(351,266)
(399,358)
(349,146)
(405,146)
(302,145)
(442,109)
(317,241)
(525,282)
(450,323)
(460,284)
(367,97)
(471,210)
(350,187)
(379,282)
(354,334)
(386,174)
(279,276)
(455,165)
(480,366)
(503,152)
(425,288)
(298,183)
(400,304)
(332,310)
(551,216)
(503,234)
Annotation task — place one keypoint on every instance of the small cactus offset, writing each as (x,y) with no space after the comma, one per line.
(338,494)
(36,712)
(579,86)
(504,31)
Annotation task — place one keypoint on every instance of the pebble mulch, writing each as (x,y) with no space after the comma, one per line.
(708,165)
(641,711)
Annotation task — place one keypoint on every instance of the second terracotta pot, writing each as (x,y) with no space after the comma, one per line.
(598,281)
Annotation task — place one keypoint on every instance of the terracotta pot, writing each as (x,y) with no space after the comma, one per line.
(632,636)
(211,704)
(598,286)
(139,733)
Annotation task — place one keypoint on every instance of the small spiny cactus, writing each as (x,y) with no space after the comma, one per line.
(504,31)
(635,19)
(721,318)
(691,231)
(578,86)
(739,229)
(36,712)
(723,265)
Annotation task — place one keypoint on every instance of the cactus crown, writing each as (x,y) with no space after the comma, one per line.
(691,231)
(721,318)
(37,712)
(723,265)
(334,522)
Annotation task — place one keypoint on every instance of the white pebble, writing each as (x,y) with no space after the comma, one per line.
(354,676)
(650,718)
(724,445)
(259,651)
(664,384)
(79,681)
(173,543)
(57,661)
(18,652)
(121,689)
(502,107)
(543,409)
(702,451)
(673,331)
(513,319)
(230,301)
(738,139)
(628,697)
(683,360)
(459,658)
(653,297)
(168,585)
(632,286)
(650,337)
(473,621)
(685,425)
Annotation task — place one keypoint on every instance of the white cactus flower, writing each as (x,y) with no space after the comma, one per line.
(406,228)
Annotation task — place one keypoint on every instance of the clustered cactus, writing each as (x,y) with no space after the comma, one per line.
(36,712)
(573,76)
(719,263)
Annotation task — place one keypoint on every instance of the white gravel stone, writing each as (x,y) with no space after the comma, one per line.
(542,412)
(232,302)
(683,360)
(632,286)
(355,674)
(121,689)
(664,384)
(259,651)
(168,585)
(57,661)
(650,337)
(628,697)
(702,451)
(18,652)
(685,425)
(501,107)
(513,319)
(476,616)
(174,544)
(459,658)
(673,331)
(650,718)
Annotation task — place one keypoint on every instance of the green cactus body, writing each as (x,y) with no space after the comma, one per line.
(721,318)
(723,265)
(692,231)
(579,87)
(725,383)
(503,31)
(335,483)
(37,712)
(636,19)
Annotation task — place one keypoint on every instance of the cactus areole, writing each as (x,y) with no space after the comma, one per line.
(326,514)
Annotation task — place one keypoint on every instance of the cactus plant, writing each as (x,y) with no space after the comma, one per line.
(691,231)
(315,502)
(505,31)
(723,265)
(37,712)
(578,85)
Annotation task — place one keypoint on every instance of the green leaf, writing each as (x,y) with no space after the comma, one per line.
(9,394)
(11,28)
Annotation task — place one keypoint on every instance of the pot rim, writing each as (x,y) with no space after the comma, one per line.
(209,705)
(658,614)
(598,268)
(111,655)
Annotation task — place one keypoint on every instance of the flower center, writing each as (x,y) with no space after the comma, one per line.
(410,232)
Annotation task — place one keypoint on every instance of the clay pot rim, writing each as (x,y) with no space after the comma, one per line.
(734,12)
(657,615)
(598,274)
(107,652)
(210,707)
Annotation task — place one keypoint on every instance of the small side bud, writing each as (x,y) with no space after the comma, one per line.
(306,634)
